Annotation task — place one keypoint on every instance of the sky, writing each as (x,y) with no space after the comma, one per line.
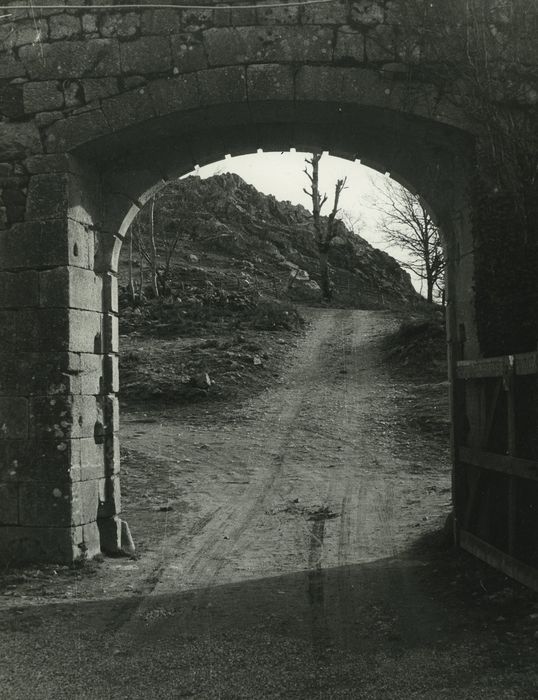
(282,175)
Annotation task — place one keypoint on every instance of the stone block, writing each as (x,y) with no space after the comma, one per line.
(44,119)
(268,44)
(13,195)
(80,459)
(91,374)
(27,374)
(112,455)
(382,44)
(60,195)
(270,82)
(57,330)
(9,504)
(149,54)
(111,413)
(11,67)
(110,292)
(111,337)
(72,287)
(226,46)
(222,85)
(341,84)
(29,460)
(160,21)
(187,56)
(17,141)
(9,318)
(128,108)
(65,418)
(99,88)
(45,244)
(193,21)
(124,25)
(85,332)
(89,23)
(59,503)
(349,47)
(243,16)
(18,289)
(20,544)
(65,134)
(334,13)
(319,83)
(42,96)
(47,197)
(11,101)
(174,94)
(64,26)
(111,373)
(51,163)
(14,417)
(285,14)
(72,59)
(367,12)
(30,31)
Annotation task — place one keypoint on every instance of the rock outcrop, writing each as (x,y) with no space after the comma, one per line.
(224,223)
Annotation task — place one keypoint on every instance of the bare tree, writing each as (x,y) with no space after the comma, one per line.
(325,229)
(353,221)
(407,224)
(153,249)
(130,284)
(170,239)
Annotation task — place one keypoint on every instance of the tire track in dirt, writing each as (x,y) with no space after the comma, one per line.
(207,560)
(207,552)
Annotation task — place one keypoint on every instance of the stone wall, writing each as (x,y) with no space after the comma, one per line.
(99,109)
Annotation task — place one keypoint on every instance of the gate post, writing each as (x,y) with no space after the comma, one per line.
(58,453)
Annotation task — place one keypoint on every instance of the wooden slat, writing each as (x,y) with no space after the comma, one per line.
(525,574)
(480,369)
(525,363)
(509,382)
(513,466)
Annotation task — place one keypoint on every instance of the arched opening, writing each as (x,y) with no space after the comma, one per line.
(429,158)
(104,181)
(145,420)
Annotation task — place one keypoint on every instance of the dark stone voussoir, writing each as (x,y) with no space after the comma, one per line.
(72,59)
(149,54)
(66,134)
(128,108)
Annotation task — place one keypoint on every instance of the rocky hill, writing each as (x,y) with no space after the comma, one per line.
(232,262)
(223,229)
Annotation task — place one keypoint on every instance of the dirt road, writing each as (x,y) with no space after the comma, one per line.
(279,557)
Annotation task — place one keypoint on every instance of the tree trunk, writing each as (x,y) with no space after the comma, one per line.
(429,285)
(131,281)
(153,249)
(325,282)
(140,270)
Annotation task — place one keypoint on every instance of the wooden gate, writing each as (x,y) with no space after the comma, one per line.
(495,479)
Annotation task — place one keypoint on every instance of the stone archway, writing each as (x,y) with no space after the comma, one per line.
(111,111)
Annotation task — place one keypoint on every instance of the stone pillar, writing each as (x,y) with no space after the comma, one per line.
(59,458)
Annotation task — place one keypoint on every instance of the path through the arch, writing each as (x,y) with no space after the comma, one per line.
(280,556)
